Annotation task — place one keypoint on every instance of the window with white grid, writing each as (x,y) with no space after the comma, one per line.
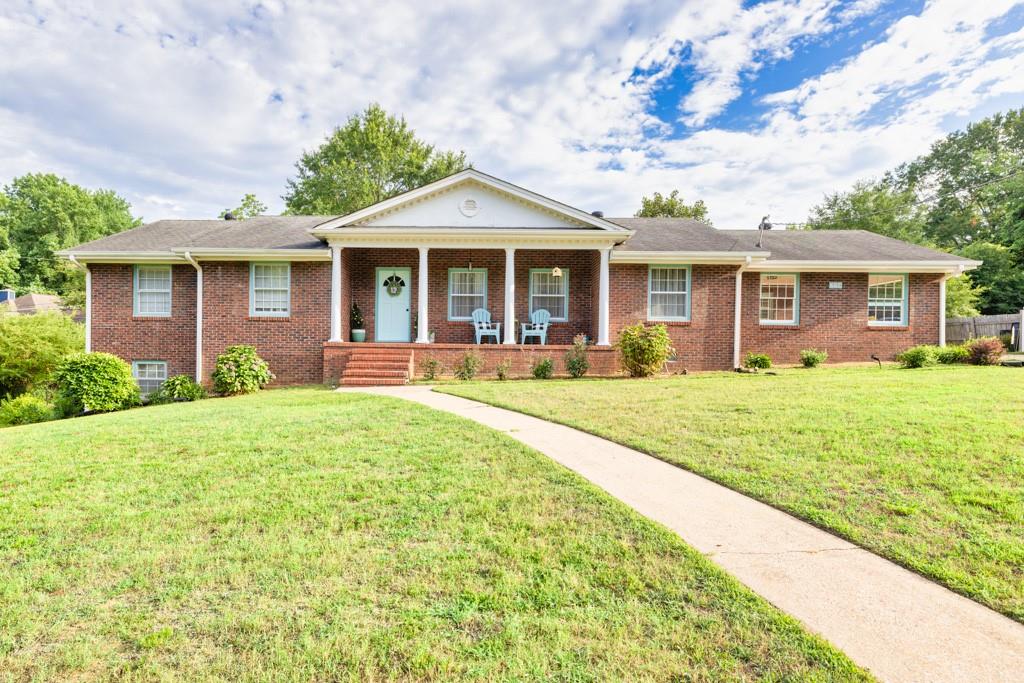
(668,293)
(780,298)
(467,291)
(550,292)
(270,289)
(149,375)
(887,299)
(152,291)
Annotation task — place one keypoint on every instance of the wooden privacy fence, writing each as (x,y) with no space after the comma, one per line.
(961,329)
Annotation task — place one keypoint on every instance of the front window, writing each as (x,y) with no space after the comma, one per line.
(270,289)
(780,298)
(887,300)
(467,291)
(550,292)
(149,375)
(152,291)
(668,291)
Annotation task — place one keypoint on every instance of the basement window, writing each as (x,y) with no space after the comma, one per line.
(149,375)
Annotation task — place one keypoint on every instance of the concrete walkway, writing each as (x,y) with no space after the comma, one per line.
(894,623)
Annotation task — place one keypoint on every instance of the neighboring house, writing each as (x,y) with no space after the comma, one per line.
(27,304)
(171,295)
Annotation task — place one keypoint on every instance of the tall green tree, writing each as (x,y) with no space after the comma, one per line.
(672,206)
(963,297)
(875,206)
(42,213)
(372,157)
(249,206)
(1000,277)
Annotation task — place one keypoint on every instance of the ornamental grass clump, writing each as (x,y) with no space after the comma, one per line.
(644,349)
(985,351)
(240,370)
(94,383)
(920,356)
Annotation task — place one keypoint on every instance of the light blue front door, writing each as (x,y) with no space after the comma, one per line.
(391,322)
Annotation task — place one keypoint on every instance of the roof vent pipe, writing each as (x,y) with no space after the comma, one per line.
(764,225)
(228,216)
(598,214)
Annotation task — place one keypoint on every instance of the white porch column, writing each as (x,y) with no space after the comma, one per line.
(88,309)
(510,295)
(738,317)
(942,310)
(602,310)
(422,323)
(336,294)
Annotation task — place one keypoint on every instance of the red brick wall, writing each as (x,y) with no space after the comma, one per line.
(116,330)
(837,320)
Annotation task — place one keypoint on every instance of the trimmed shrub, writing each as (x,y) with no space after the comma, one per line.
(178,388)
(576,362)
(503,368)
(757,361)
(431,368)
(985,351)
(542,368)
(949,355)
(644,349)
(919,356)
(26,409)
(468,365)
(812,358)
(31,347)
(94,382)
(240,370)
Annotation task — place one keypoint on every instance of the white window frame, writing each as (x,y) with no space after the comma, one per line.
(564,294)
(650,292)
(136,292)
(135,374)
(904,302)
(452,295)
(253,312)
(796,300)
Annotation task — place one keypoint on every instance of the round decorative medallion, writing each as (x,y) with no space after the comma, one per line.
(393,285)
(468,207)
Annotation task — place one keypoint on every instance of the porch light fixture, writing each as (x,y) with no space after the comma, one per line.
(556,272)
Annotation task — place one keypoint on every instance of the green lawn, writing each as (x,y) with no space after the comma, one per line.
(925,467)
(308,535)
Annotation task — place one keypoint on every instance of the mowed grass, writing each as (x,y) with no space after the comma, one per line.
(313,536)
(925,467)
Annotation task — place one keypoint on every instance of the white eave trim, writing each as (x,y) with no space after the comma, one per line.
(328,227)
(178,255)
(474,238)
(727,257)
(871,266)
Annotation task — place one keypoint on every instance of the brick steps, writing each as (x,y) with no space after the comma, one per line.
(369,367)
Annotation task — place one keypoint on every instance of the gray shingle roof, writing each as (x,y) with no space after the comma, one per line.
(839,245)
(677,234)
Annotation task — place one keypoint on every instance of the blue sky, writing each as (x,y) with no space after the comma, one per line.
(755,107)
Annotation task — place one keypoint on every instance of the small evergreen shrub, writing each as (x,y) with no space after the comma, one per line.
(542,368)
(503,369)
(431,368)
(644,349)
(576,362)
(355,317)
(985,351)
(919,356)
(468,365)
(812,358)
(25,409)
(178,388)
(240,370)
(94,382)
(956,353)
(757,361)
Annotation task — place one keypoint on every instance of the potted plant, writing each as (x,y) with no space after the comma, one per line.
(355,323)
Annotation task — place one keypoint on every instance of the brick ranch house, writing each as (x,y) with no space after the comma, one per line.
(171,295)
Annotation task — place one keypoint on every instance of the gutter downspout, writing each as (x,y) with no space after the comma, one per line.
(88,300)
(738,319)
(199,315)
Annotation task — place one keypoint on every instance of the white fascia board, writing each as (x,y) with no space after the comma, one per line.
(122,256)
(469,174)
(865,266)
(177,255)
(686,257)
(478,238)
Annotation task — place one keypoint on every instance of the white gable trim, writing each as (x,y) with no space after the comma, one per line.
(470,174)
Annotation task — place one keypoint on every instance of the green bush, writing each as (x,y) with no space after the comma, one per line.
(956,353)
(542,368)
(25,409)
(757,361)
(94,382)
(468,365)
(1007,339)
(812,358)
(576,363)
(31,347)
(919,356)
(240,370)
(178,388)
(985,351)
(644,349)
(431,368)
(503,368)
